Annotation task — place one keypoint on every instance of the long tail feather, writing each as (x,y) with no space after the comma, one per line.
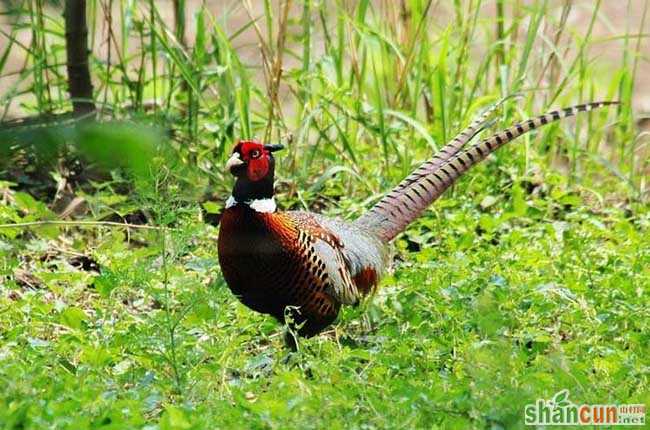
(480,122)
(402,205)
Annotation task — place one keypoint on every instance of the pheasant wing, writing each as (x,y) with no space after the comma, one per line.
(354,258)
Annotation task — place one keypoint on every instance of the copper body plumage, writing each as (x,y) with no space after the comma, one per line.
(303,266)
(268,263)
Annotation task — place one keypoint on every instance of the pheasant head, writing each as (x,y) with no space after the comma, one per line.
(253,166)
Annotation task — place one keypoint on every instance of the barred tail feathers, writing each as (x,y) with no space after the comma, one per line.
(447,151)
(403,204)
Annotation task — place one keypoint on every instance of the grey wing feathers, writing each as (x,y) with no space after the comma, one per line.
(341,285)
(357,251)
(361,250)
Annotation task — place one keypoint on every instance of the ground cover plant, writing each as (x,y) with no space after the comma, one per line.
(529,277)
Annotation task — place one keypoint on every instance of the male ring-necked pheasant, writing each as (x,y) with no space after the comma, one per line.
(308,264)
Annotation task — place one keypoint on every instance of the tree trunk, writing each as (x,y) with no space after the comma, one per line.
(76,38)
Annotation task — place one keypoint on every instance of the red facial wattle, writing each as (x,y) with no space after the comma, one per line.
(256,157)
(258,168)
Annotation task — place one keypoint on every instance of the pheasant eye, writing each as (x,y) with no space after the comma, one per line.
(255,154)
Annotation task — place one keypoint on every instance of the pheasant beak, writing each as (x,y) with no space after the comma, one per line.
(274,147)
(233,161)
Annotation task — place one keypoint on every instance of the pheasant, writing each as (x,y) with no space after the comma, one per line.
(300,267)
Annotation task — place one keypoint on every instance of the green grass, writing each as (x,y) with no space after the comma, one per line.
(529,277)
(499,307)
